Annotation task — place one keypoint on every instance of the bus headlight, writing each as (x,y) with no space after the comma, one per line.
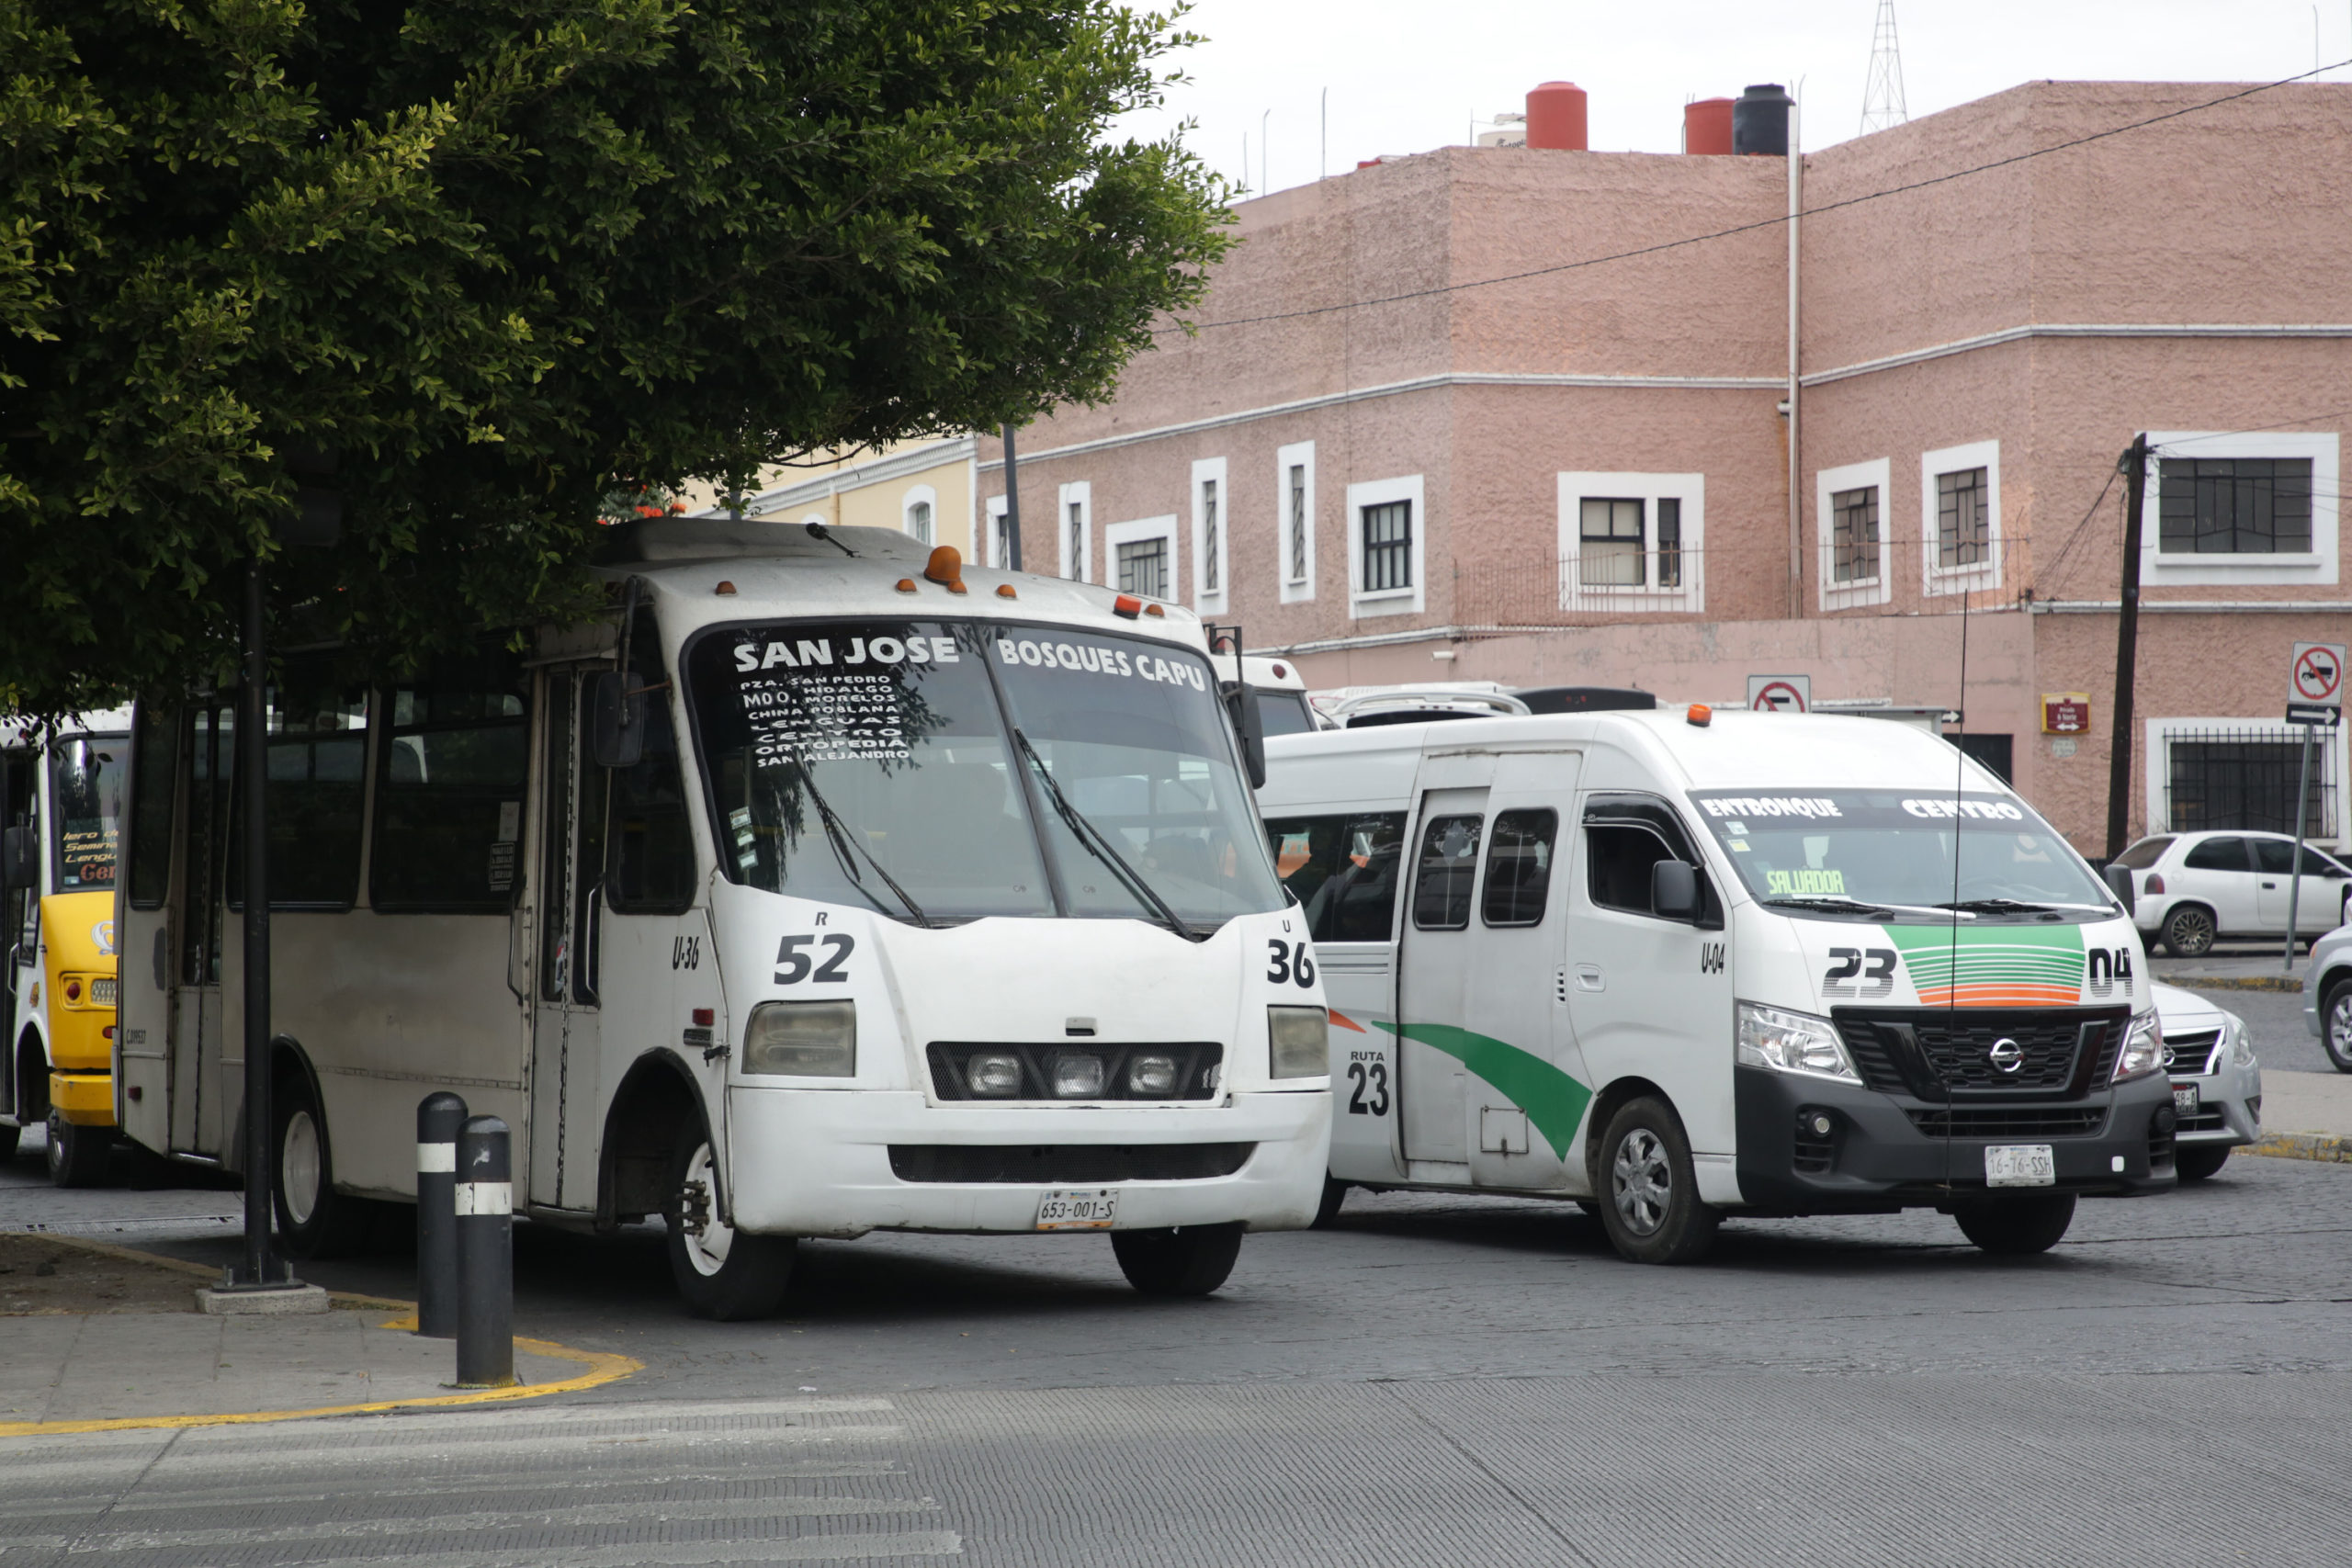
(810,1040)
(1302,1041)
(2143,1049)
(1788,1041)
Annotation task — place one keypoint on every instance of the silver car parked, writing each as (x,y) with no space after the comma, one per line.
(2327,997)
(2216,1082)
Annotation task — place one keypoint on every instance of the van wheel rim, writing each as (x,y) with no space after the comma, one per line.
(299,1168)
(2339,1028)
(1641,1181)
(708,1237)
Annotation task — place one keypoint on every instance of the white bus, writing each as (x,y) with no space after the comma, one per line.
(821,888)
(1678,966)
(61,805)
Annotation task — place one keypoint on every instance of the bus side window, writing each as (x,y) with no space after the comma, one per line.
(651,844)
(1343,872)
(449,789)
(1519,867)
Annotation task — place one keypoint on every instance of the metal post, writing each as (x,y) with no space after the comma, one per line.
(1012,505)
(2295,870)
(2134,464)
(485,1225)
(438,1118)
(261,1270)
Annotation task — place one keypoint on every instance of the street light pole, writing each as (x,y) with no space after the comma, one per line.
(261,1270)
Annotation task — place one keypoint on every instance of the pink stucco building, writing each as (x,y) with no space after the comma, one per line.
(1411,439)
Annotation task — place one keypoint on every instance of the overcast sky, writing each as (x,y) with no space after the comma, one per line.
(1408,75)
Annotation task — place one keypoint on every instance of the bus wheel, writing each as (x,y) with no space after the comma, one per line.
(314,1218)
(722,1273)
(1652,1209)
(1184,1260)
(2015,1227)
(1334,1194)
(9,1136)
(77,1156)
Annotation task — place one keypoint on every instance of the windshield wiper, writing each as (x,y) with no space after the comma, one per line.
(838,835)
(2013,906)
(1853,905)
(1103,850)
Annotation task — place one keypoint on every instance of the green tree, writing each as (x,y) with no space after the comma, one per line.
(505,258)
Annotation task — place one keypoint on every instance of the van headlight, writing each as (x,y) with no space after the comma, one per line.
(1788,1041)
(2143,1049)
(2240,1042)
(810,1040)
(1301,1038)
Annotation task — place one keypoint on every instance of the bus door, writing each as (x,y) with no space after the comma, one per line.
(1439,940)
(200,917)
(567,1020)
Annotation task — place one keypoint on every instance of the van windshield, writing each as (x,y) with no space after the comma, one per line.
(942,771)
(1875,852)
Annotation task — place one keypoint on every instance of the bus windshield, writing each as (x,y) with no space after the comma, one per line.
(1873,854)
(941,770)
(86,785)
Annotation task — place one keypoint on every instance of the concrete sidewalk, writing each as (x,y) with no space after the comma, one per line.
(2265,971)
(2306,1116)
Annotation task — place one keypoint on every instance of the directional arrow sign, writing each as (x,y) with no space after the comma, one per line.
(2317,677)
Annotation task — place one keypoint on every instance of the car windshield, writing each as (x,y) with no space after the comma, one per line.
(942,771)
(87,785)
(1981,855)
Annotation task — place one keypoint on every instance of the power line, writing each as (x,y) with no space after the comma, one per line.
(1772,222)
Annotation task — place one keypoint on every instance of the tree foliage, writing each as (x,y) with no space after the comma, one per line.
(504,258)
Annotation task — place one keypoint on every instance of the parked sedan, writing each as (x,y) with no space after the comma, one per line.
(2216,1083)
(2192,889)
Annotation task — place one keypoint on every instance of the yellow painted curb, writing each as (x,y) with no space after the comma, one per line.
(2331,1147)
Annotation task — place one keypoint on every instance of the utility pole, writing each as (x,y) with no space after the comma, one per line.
(2133,464)
(1012,561)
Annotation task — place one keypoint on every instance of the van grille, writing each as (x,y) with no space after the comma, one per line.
(2004,1122)
(1930,1052)
(1077,1164)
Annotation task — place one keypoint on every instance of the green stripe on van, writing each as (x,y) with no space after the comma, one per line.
(1554,1101)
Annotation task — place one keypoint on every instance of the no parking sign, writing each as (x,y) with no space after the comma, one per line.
(1781,693)
(2315,683)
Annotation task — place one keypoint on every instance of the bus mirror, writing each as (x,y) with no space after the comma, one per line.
(1674,890)
(17,868)
(1249,729)
(617,721)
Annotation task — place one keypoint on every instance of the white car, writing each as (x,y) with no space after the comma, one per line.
(2193,889)
(2216,1082)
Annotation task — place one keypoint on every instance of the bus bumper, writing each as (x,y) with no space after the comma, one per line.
(86,1099)
(823,1161)
(1878,1157)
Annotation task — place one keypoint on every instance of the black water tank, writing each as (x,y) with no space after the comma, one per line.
(1759,120)
(1583,699)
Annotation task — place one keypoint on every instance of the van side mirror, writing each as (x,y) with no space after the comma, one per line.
(617,719)
(2119,882)
(17,868)
(1249,729)
(1674,890)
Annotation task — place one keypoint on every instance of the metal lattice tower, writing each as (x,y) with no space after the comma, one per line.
(1882,99)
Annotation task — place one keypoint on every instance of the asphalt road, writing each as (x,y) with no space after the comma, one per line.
(1434,1382)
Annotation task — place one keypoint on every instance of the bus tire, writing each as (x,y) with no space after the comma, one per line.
(2017,1227)
(77,1156)
(722,1273)
(9,1136)
(1335,1192)
(314,1218)
(1650,1191)
(1179,1260)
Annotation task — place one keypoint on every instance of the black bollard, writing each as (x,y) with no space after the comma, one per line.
(485,1194)
(438,1117)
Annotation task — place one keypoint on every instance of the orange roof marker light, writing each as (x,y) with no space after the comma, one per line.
(1153,610)
(724,587)
(1700,715)
(1126,604)
(946,568)
(1006,591)
(906,585)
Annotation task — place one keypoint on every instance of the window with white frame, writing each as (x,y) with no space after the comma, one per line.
(2224,507)
(1141,557)
(1850,525)
(1211,510)
(998,546)
(2207,773)
(1630,540)
(1960,512)
(919,509)
(1294,520)
(1388,526)
(1076,548)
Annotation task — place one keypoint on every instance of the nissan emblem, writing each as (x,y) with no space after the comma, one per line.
(2006,1054)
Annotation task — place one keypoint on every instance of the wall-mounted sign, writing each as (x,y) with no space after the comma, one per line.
(1781,693)
(2065,713)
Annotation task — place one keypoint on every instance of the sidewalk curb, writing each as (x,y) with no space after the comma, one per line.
(602,1367)
(2335,1148)
(2236,983)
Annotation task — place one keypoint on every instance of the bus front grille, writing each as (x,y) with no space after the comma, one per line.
(1075,1164)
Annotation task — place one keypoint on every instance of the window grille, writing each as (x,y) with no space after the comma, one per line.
(919,522)
(1298,522)
(1211,580)
(2247,779)
(1963,528)
(1610,532)
(1387,546)
(1078,539)
(1142,568)
(1670,541)
(1853,535)
(2234,506)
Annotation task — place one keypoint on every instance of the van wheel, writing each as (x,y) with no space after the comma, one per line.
(722,1273)
(1335,1192)
(2189,930)
(2336,1025)
(1652,1209)
(2200,1162)
(77,1156)
(314,1218)
(2017,1226)
(1183,1261)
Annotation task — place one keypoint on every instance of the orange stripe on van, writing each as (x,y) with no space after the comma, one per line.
(2000,994)
(1344,1022)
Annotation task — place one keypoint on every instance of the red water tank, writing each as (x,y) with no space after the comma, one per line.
(1556,117)
(1706,127)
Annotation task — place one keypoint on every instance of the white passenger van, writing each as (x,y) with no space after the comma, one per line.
(1678,966)
(821,887)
